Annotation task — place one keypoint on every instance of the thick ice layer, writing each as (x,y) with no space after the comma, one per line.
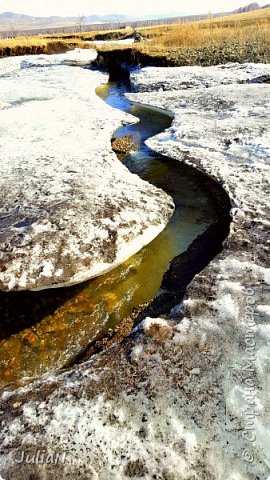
(78,57)
(186,397)
(154,79)
(69,209)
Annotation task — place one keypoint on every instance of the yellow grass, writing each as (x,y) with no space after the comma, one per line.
(22,42)
(36,44)
(240,28)
(246,28)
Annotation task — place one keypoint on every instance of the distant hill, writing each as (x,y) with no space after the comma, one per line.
(17,22)
(14,24)
(248,8)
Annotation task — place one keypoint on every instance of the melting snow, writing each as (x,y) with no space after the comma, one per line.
(69,209)
(180,399)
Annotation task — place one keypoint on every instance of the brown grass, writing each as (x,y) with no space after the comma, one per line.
(37,45)
(249,27)
(55,43)
(241,37)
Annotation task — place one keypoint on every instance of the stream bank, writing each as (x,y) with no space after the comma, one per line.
(174,178)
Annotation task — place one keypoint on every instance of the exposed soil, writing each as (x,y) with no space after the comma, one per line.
(227,52)
(115,35)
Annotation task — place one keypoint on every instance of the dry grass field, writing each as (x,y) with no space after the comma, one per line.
(37,45)
(240,37)
(251,26)
(235,38)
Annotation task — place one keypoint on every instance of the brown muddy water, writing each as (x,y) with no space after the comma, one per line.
(44,331)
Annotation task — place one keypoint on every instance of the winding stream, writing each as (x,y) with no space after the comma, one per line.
(44,331)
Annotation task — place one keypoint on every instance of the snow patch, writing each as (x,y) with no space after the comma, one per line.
(81,212)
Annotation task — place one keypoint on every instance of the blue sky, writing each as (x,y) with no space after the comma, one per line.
(137,8)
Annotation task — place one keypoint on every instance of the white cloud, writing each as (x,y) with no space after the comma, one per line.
(138,8)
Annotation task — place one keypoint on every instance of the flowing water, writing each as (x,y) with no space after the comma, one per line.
(43,331)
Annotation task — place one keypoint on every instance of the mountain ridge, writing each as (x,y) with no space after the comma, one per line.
(12,23)
(248,8)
